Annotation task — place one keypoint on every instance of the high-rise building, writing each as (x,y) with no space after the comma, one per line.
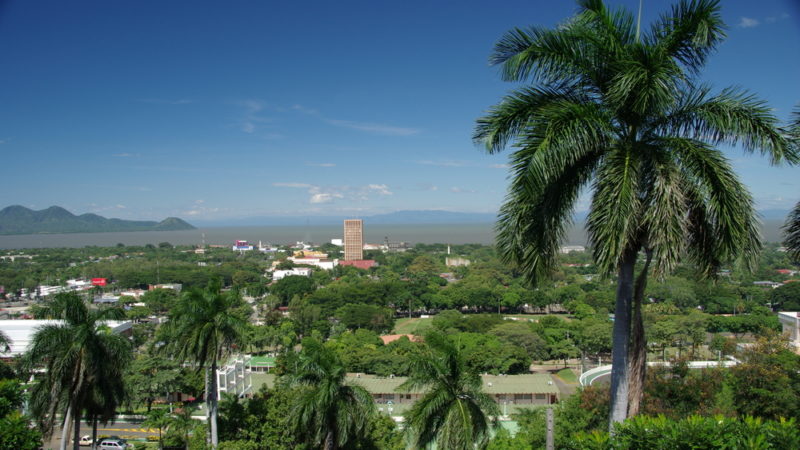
(353,239)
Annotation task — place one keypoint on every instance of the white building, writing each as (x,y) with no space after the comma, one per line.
(337,242)
(242,246)
(325,264)
(295,271)
(233,378)
(571,248)
(21,332)
(791,326)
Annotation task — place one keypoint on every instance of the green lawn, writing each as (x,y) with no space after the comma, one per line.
(414,325)
(567,375)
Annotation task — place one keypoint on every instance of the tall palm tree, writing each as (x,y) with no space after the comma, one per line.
(203,328)
(792,227)
(454,411)
(618,112)
(78,353)
(327,411)
(5,342)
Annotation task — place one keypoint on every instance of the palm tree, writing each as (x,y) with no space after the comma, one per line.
(5,342)
(454,411)
(792,227)
(203,328)
(79,355)
(619,112)
(158,418)
(327,411)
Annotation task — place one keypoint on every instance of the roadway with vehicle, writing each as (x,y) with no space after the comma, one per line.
(125,430)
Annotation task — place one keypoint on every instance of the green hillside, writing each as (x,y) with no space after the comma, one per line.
(55,219)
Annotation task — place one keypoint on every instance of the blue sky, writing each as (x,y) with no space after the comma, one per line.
(213,110)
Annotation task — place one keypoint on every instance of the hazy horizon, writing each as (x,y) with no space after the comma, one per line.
(471,233)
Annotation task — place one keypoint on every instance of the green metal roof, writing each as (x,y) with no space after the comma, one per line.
(262,361)
(537,383)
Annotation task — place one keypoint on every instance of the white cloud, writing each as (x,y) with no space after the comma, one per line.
(121,207)
(292,185)
(381,189)
(305,110)
(127,155)
(747,22)
(460,190)
(324,197)
(321,164)
(499,166)
(327,194)
(249,123)
(373,127)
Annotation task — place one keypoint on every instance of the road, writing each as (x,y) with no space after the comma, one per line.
(124,430)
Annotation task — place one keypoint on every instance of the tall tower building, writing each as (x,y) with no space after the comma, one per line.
(353,240)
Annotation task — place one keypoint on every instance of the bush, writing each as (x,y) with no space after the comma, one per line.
(693,432)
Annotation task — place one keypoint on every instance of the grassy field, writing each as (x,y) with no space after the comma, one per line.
(414,325)
(567,375)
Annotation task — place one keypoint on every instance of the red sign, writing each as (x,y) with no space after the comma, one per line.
(99,282)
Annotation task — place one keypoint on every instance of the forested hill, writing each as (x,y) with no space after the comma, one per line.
(55,219)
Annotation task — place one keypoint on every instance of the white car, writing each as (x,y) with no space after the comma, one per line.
(85,441)
(115,444)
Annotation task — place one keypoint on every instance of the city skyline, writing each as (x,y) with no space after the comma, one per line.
(150,110)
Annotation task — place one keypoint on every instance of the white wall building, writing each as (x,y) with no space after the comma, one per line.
(791,326)
(233,378)
(326,264)
(21,332)
(295,271)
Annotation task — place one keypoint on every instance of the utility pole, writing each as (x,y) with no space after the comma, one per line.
(550,442)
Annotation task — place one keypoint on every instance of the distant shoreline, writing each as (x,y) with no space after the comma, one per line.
(453,233)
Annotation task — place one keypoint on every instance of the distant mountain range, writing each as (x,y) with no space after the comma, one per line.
(55,219)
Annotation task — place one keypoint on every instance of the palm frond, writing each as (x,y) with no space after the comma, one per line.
(733,116)
(792,232)
(613,222)
(689,32)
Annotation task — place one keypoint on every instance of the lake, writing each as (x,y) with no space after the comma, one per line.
(478,233)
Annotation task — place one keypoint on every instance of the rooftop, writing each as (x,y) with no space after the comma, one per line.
(492,384)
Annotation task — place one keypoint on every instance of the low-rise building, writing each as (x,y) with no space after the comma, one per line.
(455,261)
(322,263)
(295,271)
(20,332)
(359,263)
(511,392)
(767,284)
(790,322)
(242,246)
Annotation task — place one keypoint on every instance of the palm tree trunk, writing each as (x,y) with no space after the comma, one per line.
(621,339)
(65,427)
(94,434)
(76,431)
(211,401)
(638,350)
(330,442)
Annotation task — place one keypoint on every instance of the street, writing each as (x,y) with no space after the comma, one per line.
(122,429)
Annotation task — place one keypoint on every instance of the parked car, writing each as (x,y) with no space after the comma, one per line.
(85,441)
(115,444)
